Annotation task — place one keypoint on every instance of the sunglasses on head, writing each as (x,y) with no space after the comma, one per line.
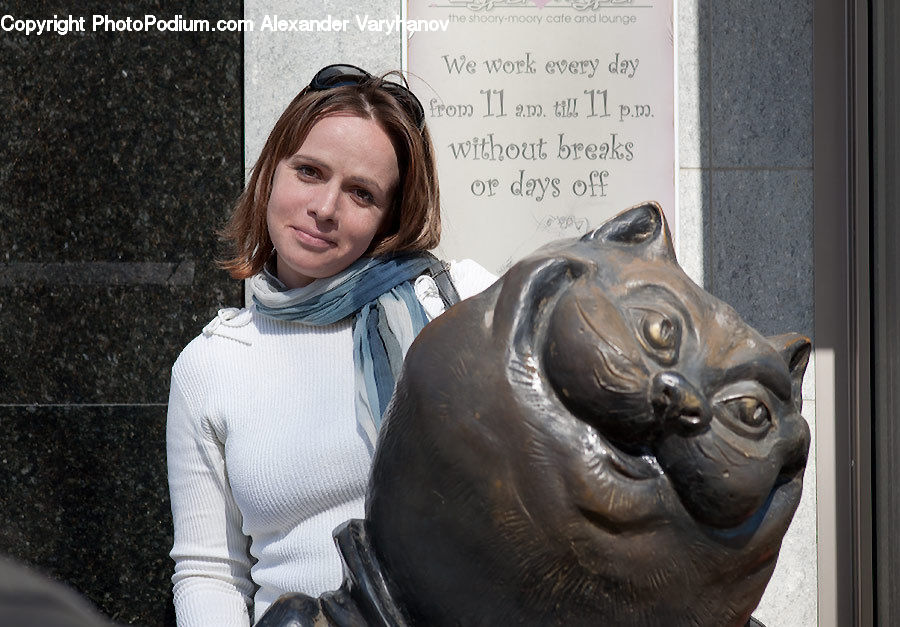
(343,74)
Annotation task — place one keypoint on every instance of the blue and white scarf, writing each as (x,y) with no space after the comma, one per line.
(378,293)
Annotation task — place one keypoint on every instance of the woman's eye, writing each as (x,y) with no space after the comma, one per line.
(660,332)
(364,195)
(307,171)
(750,411)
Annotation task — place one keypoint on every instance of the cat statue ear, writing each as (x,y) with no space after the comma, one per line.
(532,284)
(643,224)
(795,349)
(535,280)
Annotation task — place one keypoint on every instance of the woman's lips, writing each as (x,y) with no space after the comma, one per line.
(312,239)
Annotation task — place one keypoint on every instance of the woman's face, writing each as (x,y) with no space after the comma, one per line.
(329,198)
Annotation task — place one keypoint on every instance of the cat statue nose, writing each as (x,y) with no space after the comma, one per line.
(678,404)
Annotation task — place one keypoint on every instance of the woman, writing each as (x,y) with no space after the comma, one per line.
(273,410)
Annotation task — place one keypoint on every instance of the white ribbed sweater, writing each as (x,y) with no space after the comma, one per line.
(265,459)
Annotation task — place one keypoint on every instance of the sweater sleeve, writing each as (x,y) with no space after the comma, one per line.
(212,584)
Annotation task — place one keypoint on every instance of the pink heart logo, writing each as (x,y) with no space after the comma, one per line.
(541,3)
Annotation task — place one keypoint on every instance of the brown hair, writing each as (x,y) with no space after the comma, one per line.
(413,222)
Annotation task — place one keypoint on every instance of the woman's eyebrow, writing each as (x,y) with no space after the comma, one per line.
(367,182)
(307,159)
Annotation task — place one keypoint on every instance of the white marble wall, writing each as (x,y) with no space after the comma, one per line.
(746,222)
(277,65)
(745,179)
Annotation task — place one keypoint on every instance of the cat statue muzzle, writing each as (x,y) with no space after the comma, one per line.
(594,440)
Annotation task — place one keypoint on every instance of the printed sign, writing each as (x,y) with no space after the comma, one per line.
(548,116)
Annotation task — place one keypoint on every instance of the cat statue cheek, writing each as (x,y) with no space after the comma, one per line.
(592,373)
(722,485)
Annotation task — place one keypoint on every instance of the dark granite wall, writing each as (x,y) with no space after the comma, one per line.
(120,154)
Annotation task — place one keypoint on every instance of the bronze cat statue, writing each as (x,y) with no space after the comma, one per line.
(594,440)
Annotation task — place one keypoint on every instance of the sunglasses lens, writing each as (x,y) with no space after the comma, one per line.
(409,99)
(342,74)
(337,75)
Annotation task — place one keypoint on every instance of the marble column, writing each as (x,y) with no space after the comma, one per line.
(121,156)
(746,208)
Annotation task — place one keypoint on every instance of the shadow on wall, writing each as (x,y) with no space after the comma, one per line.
(746,157)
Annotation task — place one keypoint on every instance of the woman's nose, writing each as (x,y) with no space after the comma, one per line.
(324,206)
